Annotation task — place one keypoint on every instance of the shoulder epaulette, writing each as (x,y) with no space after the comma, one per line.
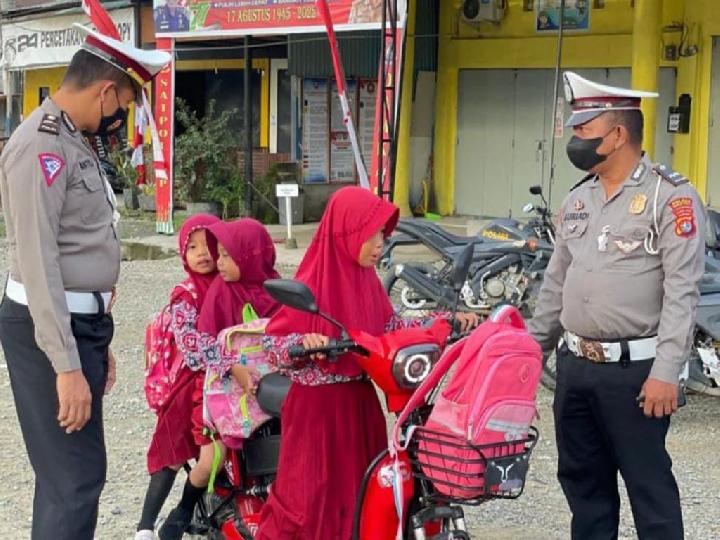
(50,124)
(669,175)
(581,182)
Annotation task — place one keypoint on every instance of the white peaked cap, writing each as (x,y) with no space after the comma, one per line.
(589,99)
(139,64)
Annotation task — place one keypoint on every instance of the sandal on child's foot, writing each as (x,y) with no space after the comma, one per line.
(175,524)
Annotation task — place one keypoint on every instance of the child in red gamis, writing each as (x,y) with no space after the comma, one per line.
(246,258)
(332,423)
(172,443)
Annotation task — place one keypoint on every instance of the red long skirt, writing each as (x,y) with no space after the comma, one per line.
(330,434)
(173,442)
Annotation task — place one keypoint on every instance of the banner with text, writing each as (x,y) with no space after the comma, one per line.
(179,18)
(52,41)
(164,115)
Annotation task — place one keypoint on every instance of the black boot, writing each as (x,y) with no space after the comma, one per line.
(175,525)
(179,519)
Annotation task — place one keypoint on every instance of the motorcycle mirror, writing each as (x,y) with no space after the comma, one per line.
(536,190)
(528,208)
(297,295)
(293,294)
(461,266)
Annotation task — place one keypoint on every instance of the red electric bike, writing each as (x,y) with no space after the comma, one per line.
(397,362)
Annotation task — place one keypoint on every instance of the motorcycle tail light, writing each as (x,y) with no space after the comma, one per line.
(413,364)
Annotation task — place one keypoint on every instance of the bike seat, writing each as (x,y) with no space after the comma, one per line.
(271,392)
(433,233)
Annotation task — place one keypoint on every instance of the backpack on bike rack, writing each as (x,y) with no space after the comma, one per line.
(477,439)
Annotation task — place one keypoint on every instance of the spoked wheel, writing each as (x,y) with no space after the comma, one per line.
(549,371)
(407,300)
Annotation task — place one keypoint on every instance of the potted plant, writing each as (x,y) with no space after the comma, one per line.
(120,159)
(203,157)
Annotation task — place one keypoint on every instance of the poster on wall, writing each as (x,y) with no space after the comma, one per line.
(219,18)
(315,143)
(342,159)
(366,118)
(547,19)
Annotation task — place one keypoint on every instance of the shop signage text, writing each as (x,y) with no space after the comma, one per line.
(52,41)
(238,17)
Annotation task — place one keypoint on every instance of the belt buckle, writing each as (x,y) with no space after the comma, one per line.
(592,350)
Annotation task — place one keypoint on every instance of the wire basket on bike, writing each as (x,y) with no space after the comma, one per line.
(452,470)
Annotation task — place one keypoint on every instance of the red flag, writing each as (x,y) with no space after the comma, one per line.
(100,18)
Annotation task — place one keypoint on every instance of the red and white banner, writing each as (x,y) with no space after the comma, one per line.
(181,18)
(163,145)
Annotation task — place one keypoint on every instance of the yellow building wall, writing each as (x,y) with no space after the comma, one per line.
(36,79)
(702,17)
(52,78)
(515,44)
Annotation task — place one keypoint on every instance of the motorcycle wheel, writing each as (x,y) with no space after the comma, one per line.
(549,373)
(404,297)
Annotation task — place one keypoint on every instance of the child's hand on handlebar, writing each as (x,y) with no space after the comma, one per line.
(314,341)
(467,321)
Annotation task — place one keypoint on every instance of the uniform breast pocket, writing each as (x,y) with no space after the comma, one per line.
(627,247)
(92,199)
(573,232)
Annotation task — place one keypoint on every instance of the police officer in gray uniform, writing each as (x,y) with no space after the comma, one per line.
(55,325)
(621,291)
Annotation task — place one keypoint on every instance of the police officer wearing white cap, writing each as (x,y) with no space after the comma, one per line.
(621,291)
(64,249)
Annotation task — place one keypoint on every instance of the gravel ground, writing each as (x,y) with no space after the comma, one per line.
(540,513)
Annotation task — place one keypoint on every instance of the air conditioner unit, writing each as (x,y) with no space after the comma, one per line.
(477,11)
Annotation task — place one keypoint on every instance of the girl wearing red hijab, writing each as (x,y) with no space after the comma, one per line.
(246,258)
(332,423)
(172,442)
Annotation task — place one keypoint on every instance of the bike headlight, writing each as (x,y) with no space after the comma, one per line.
(413,364)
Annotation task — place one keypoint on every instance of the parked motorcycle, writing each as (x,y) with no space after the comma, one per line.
(412,231)
(397,362)
(502,271)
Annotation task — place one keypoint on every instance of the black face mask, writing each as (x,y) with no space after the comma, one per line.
(583,152)
(120,114)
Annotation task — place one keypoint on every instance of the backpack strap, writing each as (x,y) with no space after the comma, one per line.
(508,314)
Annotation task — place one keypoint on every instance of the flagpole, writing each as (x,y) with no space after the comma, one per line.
(342,93)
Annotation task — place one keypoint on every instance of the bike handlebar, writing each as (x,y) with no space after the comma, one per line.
(333,348)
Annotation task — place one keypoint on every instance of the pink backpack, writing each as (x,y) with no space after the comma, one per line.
(227,409)
(162,363)
(480,423)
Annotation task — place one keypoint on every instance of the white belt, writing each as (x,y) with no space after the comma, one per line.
(82,303)
(601,352)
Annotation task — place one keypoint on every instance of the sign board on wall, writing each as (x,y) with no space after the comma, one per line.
(218,18)
(315,144)
(342,159)
(547,19)
(52,41)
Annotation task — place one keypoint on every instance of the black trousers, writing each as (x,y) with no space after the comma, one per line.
(69,469)
(601,431)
